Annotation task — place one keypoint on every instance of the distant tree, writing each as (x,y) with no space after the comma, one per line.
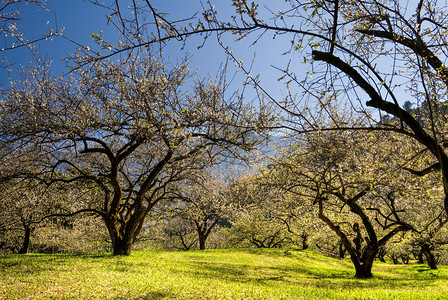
(267,218)
(28,207)
(19,217)
(128,129)
(257,228)
(203,202)
(22,204)
(425,212)
(179,233)
(429,241)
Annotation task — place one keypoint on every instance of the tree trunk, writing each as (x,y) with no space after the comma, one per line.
(394,258)
(202,240)
(431,260)
(363,266)
(405,258)
(122,246)
(121,242)
(367,261)
(381,254)
(363,271)
(420,257)
(341,250)
(304,237)
(26,241)
(203,231)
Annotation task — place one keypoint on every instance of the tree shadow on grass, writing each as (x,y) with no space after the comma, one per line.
(309,276)
(40,263)
(153,295)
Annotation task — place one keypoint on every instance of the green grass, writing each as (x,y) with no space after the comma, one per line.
(212,274)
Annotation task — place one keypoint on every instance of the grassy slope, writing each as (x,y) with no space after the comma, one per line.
(213,274)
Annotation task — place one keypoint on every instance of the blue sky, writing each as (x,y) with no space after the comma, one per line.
(77,17)
(80,19)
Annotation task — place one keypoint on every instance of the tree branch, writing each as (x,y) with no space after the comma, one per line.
(435,166)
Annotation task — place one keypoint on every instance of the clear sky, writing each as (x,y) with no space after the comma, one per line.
(80,18)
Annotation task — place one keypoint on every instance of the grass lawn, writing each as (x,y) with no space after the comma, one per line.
(212,274)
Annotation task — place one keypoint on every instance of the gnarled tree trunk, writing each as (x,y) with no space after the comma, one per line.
(363,267)
(362,250)
(123,236)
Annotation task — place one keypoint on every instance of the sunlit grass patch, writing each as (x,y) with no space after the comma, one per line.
(212,274)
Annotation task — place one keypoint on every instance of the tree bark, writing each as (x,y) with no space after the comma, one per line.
(364,270)
(420,257)
(304,237)
(121,242)
(364,262)
(202,240)
(26,241)
(122,246)
(431,260)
